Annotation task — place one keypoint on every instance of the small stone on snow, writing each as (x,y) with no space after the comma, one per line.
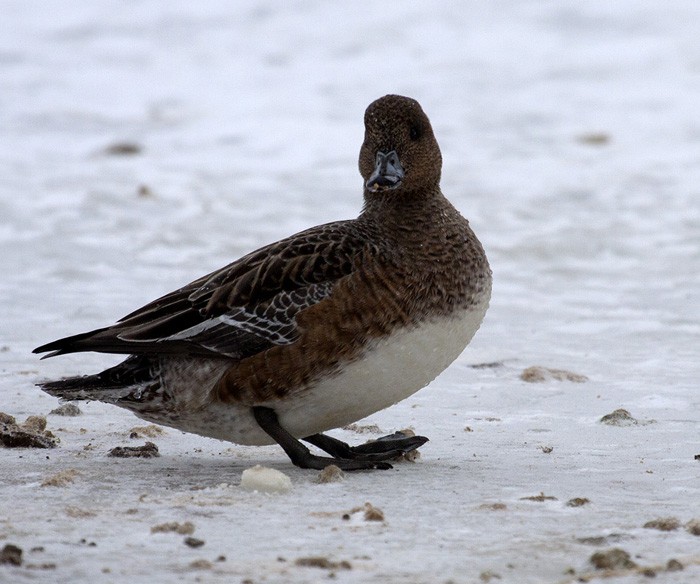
(265,480)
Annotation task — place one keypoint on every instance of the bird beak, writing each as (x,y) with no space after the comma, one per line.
(388,172)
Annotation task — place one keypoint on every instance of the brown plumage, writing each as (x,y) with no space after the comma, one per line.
(271,334)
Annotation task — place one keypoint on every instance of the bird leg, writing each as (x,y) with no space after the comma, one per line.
(299,454)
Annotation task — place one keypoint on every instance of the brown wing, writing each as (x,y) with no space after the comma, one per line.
(239,310)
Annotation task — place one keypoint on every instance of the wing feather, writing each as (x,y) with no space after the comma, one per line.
(239,310)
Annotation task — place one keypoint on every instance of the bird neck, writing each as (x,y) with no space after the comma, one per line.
(411,217)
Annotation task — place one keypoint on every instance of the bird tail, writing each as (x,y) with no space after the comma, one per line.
(126,381)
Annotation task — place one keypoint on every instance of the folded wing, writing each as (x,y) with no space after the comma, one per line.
(240,310)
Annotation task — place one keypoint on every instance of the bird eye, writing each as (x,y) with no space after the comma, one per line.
(414,132)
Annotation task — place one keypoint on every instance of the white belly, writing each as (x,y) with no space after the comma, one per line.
(390,371)
(394,369)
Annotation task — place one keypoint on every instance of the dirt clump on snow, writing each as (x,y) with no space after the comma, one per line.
(148,450)
(537,374)
(331,474)
(144,191)
(693,527)
(369,513)
(79,512)
(617,562)
(11,554)
(593,138)
(123,149)
(663,524)
(363,429)
(674,565)
(150,431)
(373,513)
(602,539)
(31,434)
(411,455)
(323,563)
(612,559)
(493,506)
(622,417)
(61,479)
(619,417)
(489,365)
(7,418)
(541,498)
(68,409)
(186,528)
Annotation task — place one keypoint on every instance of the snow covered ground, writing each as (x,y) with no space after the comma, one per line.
(570,133)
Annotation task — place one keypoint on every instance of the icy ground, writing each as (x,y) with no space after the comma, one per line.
(570,134)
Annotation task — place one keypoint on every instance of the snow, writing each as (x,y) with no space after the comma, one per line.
(570,136)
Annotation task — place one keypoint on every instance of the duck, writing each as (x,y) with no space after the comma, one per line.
(315,331)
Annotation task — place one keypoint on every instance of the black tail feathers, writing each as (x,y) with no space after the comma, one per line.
(108,386)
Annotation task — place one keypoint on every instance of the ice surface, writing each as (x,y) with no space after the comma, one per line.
(570,134)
